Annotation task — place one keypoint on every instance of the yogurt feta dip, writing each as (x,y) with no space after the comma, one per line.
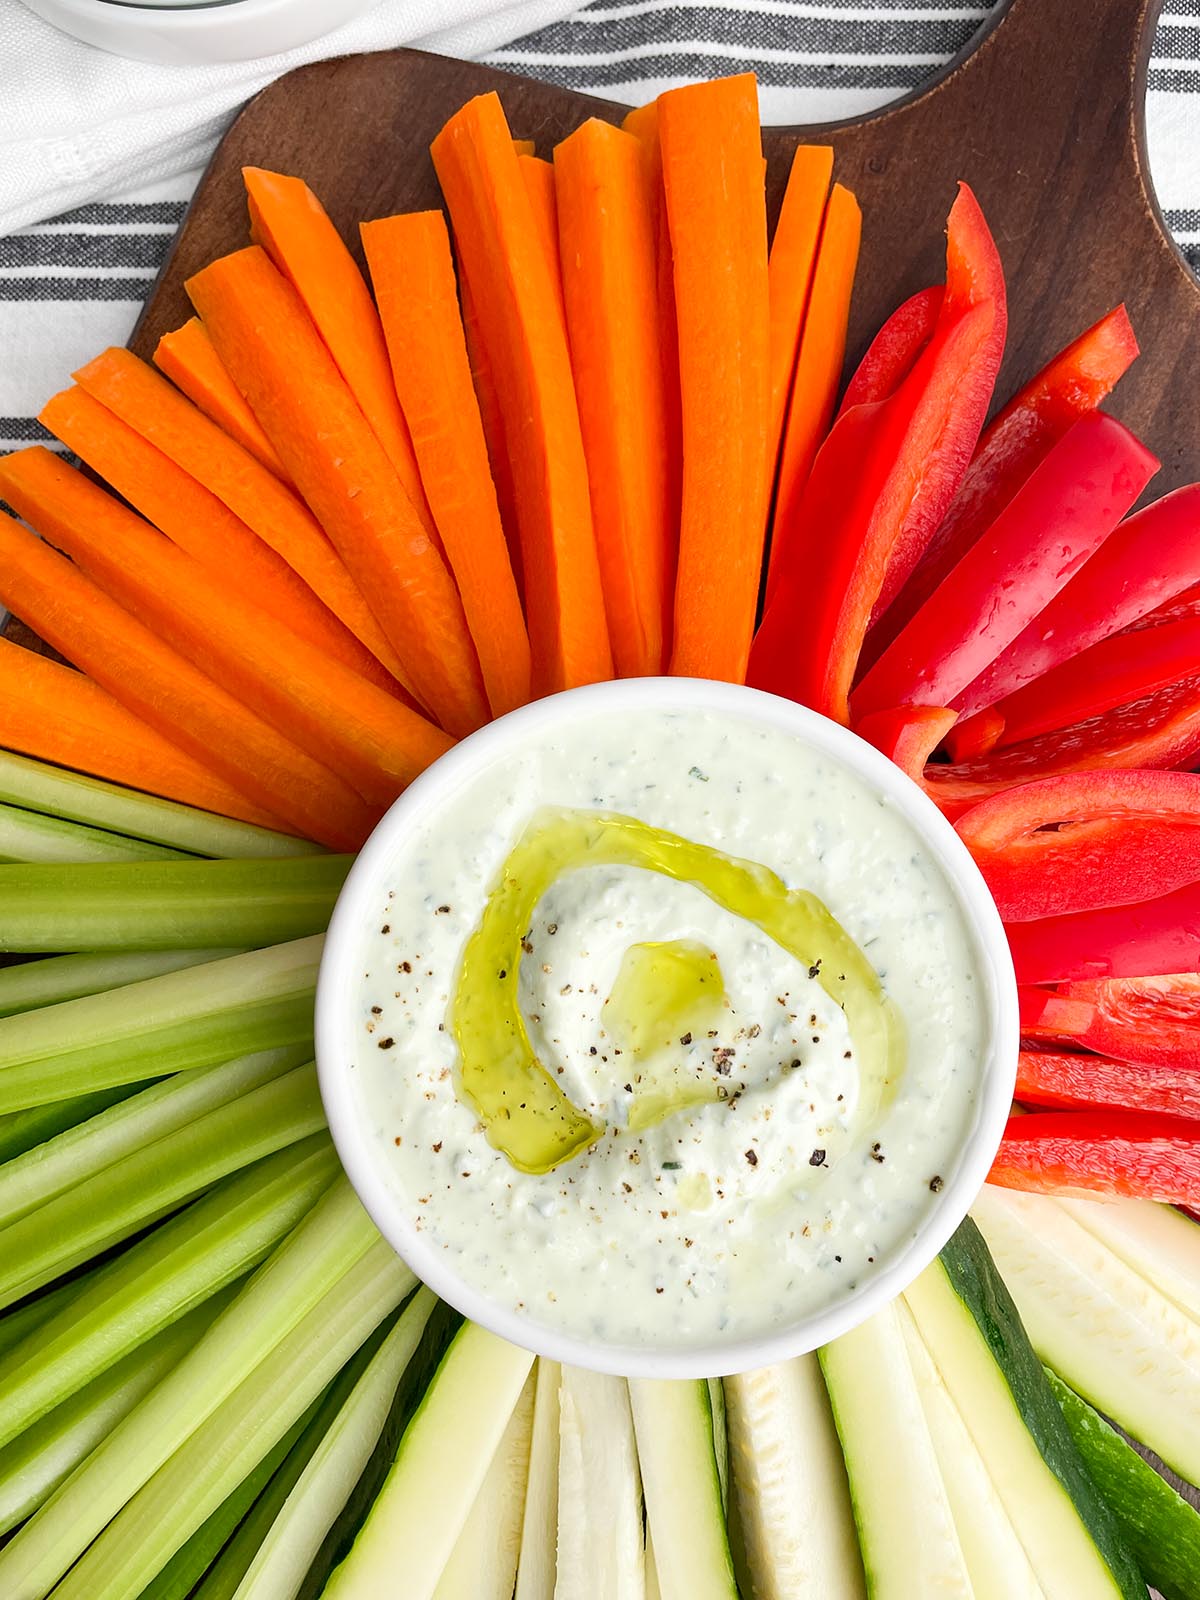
(740,991)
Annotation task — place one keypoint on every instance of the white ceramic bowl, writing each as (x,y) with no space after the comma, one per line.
(186,32)
(337,1028)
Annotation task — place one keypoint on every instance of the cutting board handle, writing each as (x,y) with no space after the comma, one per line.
(1054,43)
(1047,57)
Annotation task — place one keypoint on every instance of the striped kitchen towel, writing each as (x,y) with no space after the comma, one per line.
(71,285)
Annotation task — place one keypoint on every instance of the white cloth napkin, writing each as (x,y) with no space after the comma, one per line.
(77,124)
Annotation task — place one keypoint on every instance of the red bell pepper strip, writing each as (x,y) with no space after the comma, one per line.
(1155,1020)
(1140,1154)
(1014,444)
(974,737)
(881,483)
(907,735)
(1129,666)
(1153,936)
(1185,604)
(1057,519)
(1086,840)
(1160,731)
(891,354)
(1075,1081)
(1144,563)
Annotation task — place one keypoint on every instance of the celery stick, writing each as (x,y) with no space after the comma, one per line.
(227,1575)
(286,1554)
(221,1579)
(336,1234)
(178,1579)
(165,905)
(193,1018)
(25,1130)
(414,1381)
(66,1160)
(16,1325)
(34,1465)
(29,836)
(45,982)
(177,1266)
(223,1449)
(154,1179)
(443,1458)
(60,793)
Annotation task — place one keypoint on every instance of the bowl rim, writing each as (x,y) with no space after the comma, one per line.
(341,959)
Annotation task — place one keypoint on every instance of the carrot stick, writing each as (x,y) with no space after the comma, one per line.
(56,714)
(150,679)
(273,351)
(716,205)
(491,414)
(642,122)
(819,362)
(187,357)
(147,402)
(538,176)
(292,226)
(790,272)
(512,285)
(412,273)
(324,708)
(199,523)
(608,227)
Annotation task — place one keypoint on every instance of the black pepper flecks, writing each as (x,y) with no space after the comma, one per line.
(936,1184)
(817,1159)
(752,1158)
(877,1153)
(386,1044)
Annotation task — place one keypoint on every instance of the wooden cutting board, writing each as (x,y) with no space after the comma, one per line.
(1042,116)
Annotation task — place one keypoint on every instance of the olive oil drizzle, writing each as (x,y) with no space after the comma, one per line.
(524,1111)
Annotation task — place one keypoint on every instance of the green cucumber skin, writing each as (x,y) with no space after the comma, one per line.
(974,1278)
(439,1331)
(1159,1526)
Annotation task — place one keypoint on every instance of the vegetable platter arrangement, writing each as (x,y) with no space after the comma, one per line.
(585,424)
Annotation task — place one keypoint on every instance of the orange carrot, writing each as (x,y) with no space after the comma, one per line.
(199,523)
(413,276)
(607,223)
(642,122)
(491,414)
(55,714)
(789,275)
(716,205)
(511,284)
(524,147)
(538,176)
(187,357)
(818,373)
(147,402)
(266,340)
(49,593)
(292,226)
(323,707)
